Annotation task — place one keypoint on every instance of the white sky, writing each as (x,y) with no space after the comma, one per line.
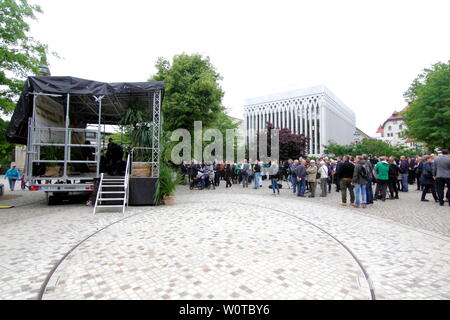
(366,52)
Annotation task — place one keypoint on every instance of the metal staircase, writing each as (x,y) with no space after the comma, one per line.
(113,191)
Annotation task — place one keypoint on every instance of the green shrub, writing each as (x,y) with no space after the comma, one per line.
(166,184)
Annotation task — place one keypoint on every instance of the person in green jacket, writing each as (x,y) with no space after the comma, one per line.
(382,171)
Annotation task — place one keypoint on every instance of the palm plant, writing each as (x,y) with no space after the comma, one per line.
(166,184)
(136,123)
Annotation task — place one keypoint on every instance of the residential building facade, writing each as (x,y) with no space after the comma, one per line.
(392,130)
(359,135)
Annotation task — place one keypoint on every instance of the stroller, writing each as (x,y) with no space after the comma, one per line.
(201,181)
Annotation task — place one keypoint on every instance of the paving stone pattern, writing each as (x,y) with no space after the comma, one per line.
(228,244)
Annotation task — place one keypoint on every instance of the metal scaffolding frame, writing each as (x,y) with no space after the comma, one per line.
(94,107)
(35,143)
(156,132)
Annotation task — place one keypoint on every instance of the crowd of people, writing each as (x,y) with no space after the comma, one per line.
(364,178)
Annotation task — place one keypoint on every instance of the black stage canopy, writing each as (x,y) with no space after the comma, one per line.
(82,101)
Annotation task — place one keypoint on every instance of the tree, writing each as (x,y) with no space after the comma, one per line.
(368,146)
(222,122)
(20,54)
(292,145)
(192,91)
(6,148)
(428,116)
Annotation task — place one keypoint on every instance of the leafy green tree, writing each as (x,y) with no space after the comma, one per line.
(122,138)
(428,115)
(222,122)
(20,54)
(338,150)
(6,148)
(369,146)
(192,91)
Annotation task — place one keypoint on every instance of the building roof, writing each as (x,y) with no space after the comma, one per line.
(380,129)
(236,119)
(81,93)
(360,132)
(405,108)
(395,116)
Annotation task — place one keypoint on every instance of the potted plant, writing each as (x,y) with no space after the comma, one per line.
(167,182)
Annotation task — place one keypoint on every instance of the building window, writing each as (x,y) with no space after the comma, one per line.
(400,127)
(389,128)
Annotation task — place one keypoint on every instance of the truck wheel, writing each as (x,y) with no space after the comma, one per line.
(53,200)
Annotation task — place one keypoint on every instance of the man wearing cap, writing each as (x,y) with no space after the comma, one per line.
(311,171)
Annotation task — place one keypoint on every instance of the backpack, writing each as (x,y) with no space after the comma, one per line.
(363,173)
(246,169)
(368,170)
(293,173)
(427,173)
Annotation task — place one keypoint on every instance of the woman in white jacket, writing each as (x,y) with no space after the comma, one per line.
(323,171)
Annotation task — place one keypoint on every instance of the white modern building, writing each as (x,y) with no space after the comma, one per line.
(315,112)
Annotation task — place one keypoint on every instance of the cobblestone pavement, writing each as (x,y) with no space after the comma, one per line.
(229,244)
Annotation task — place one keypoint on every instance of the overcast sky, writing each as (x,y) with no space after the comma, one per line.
(366,52)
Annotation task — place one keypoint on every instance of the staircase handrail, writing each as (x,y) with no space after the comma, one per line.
(99,190)
(127,177)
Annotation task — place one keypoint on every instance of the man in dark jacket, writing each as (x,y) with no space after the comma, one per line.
(292,177)
(114,154)
(369,168)
(330,175)
(217,174)
(257,175)
(359,181)
(228,175)
(300,173)
(411,170)
(427,179)
(393,174)
(337,179)
(345,174)
(404,169)
(245,173)
(418,172)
